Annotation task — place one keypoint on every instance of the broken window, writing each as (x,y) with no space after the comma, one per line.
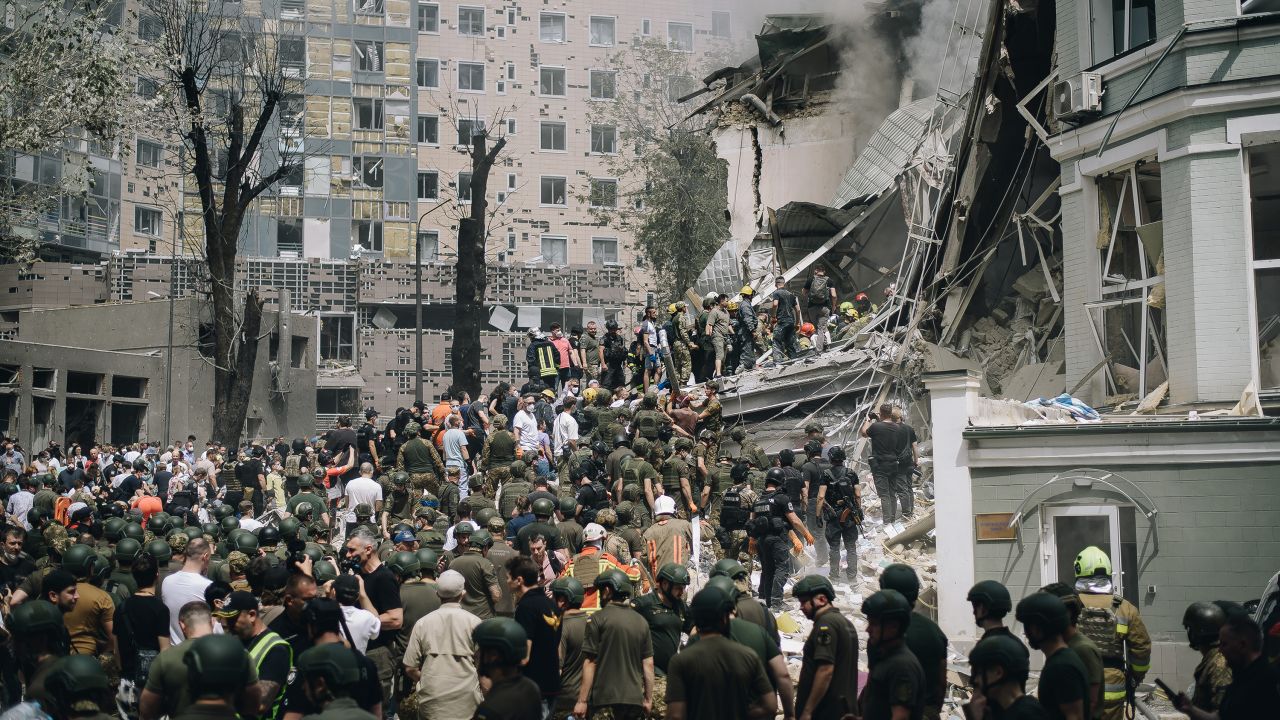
(428,17)
(428,185)
(471,76)
(368,171)
(551,81)
(604,193)
(551,27)
(1128,320)
(367,234)
(604,139)
(603,31)
(337,337)
(367,7)
(147,221)
(150,154)
(289,236)
(293,9)
(131,387)
(429,242)
(81,383)
(553,191)
(679,86)
(369,55)
(147,88)
(1264,213)
(293,55)
(150,28)
(553,136)
(555,250)
(471,21)
(604,251)
(368,113)
(468,128)
(680,36)
(604,85)
(429,73)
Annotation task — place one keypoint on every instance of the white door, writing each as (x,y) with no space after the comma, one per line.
(1068,529)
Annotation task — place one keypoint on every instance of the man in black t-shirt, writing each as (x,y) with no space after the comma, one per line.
(887,442)
(250,474)
(15,565)
(1064,683)
(786,309)
(380,594)
(812,471)
(538,615)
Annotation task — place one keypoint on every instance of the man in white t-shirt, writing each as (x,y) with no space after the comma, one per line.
(525,426)
(565,432)
(186,585)
(363,490)
(363,625)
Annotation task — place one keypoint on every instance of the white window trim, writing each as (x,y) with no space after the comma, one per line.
(438,19)
(566,192)
(457,187)
(1048,539)
(159,224)
(614,18)
(439,175)
(415,130)
(592,151)
(617,196)
(617,245)
(562,69)
(562,124)
(439,70)
(458,75)
(646,22)
(593,98)
(458,18)
(692,33)
(564,17)
(483,123)
(551,236)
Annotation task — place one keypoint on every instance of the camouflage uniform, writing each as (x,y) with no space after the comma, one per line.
(672,471)
(680,347)
(420,459)
(398,502)
(237,563)
(1212,678)
(498,454)
(512,491)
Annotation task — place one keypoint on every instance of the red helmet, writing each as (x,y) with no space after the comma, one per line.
(861,296)
(806,329)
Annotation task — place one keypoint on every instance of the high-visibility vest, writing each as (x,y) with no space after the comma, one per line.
(268,642)
(548,364)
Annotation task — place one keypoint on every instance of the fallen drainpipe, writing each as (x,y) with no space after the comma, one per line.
(752,101)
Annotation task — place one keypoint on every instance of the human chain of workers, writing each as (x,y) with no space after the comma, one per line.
(525,555)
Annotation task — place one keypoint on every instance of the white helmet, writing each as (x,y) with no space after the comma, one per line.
(664,505)
(593,532)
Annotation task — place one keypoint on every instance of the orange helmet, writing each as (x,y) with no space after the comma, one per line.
(806,329)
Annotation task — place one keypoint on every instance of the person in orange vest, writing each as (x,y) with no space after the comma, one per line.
(591,562)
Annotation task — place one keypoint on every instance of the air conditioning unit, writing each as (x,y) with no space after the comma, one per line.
(1077,97)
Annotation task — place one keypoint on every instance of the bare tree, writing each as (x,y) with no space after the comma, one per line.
(223,78)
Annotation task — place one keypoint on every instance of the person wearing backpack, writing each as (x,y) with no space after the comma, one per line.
(839,508)
(614,349)
(819,293)
(293,467)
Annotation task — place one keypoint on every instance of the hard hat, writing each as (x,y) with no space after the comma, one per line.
(746,290)
(672,308)
(846,306)
(504,635)
(1045,611)
(807,329)
(994,596)
(1002,651)
(1092,561)
(813,585)
(674,573)
(593,532)
(664,505)
(733,307)
(570,589)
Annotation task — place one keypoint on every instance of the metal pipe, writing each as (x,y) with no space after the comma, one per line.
(1152,71)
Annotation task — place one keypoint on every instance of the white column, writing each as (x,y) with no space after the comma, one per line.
(952,397)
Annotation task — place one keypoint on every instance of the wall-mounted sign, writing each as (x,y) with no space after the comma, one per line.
(994,526)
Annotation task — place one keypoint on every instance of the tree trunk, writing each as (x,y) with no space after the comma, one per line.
(472,276)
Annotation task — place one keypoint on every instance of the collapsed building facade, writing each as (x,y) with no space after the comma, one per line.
(1082,240)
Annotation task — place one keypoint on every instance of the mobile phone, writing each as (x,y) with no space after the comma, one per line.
(1168,691)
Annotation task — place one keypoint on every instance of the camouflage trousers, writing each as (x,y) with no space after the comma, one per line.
(683,362)
(425,481)
(494,476)
(659,709)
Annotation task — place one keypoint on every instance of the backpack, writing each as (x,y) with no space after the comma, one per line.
(732,515)
(293,466)
(818,285)
(615,350)
(841,492)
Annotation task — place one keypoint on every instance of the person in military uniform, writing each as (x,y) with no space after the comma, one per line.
(428,537)
(641,518)
(839,508)
(126,551)
(665,611)
(328,673)
(1084,648)
(39,640)
(450,492)
(80,688)
(734,579)
(829,672)
(614,543)
(735,513)
(419,458)
(218,668)
(1064,682)
(924,638)
(568,594)
(718,678)
(501,647)
(896,680)
(1115,626)
(306,496)
(771,514)
(1203,621)
(639,471)
(497,456)
(617,675)
(626,530)
(514,488)
(999,669)
(681,341)
(398,501)
(991,602)
(567,524)
(749,450)
(649,422)
(618,459)
(483,591)
(709,410)
(676,484)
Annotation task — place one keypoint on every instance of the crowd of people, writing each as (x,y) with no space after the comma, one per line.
(528,554)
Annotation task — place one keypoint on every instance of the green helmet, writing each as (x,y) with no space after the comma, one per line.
(625,511)
(710,605)
(399,477)
(324,571)
(1003,651)
(724,583)
(229,525)
(133,530)
(428,560)
(568,506)
(889,604)
(483,515)
(159,524)
(1202,621)
(543,507)
(289,528)
(738,434)
(650,400)
(902,578)
(674,573)
(729,568)
(1092,561)
(811,585)
(78,560)
(313,552)
(34,618)
(481,539)
(217,665)
(615,580)
(247,543)
(641,447)
(160,550)
(994,596)
(192,532)
(72,678)
(504,635)
(570,589)
(113,529)
(212,529)
(268,536)
(222,512)
(1045,611)
(128,550)
(334,662)
(404,564)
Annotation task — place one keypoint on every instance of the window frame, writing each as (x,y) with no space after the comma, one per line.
(155,213)
(435,255)
(458,130)
(564,81)
(460,64)
(542,248)
(362,57)
(379,113)
(591,85)
(670,39)
(617,250)
(564,128)
(418,17)
(418,125)
(564,26)
(728,22)
(591,201)
(423,62)
(418,189)
(462,199)
(481,10)
(138,154)
(613,40)
(541,191)
(376,228)
(358,163)
(593,150)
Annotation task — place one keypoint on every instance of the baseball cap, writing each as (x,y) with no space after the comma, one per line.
(451,584)
(404,536)
(238,602)
(346,588)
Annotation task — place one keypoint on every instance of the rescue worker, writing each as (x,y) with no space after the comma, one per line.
(501,649)
(639,471)
(669,539)
(771,515)
(749,450)
(839,509)
(269,654)
(514,488)
(896,685)
(318,507)
(829,673)
(1116,627)
(649,422)
(1203,621)
(587,565)
(497,456)
(399,503)
(748,326)
(668,616)
(419,457)
(617,675)
(999,669)
(923,637)
(812,469)
(676,483)
(617,460)
(1084,648)
(1064,683)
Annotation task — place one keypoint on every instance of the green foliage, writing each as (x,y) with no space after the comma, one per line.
(672,188)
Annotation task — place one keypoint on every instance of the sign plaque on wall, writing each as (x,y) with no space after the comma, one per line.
(994,527)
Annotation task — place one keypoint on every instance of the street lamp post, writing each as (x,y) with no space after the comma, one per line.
(417,300)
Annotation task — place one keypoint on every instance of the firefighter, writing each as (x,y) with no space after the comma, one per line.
(1116,627)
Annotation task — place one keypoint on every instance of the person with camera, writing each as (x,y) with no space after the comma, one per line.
(380,595)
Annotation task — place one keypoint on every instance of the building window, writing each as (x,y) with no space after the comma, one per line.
(369,55)
(551,81)
(471,21)
(1264,211)
(367,234)
(429,242)
(368,113)
(428,130)
(555,250)
(428,73)
(367,7)
(147,88)
(511,181)
(428,185)
(646,27)
(604,139)
(553,191)
(603,32)
(511,71)
(147,221)
(721,24)
(464,187)
(471,76)
(553,136)
(428,18)
(604,193)
(293,9)
(1121,25)
(679,86)
(150,154)
(680,36)
(511,126)
(150,29)
(604,85)
(293,55)
(368,171)
(289,236)
(468,128)
(604,251)
(551,27)
(337,337)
